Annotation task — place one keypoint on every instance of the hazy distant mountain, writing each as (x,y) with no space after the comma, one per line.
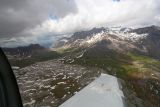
(24,50)
(27,55)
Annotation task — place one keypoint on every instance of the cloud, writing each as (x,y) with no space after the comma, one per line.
(93,13)
(17,16)
(38,18)
(46,41)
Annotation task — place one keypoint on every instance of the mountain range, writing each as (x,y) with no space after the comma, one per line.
(145,41)
(133,55)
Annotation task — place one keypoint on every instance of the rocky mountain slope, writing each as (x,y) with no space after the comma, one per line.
(50,83)
(144,41)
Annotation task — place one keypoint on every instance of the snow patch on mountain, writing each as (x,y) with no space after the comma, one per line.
(120,33)
(125,34)
(120,36)
(95,38)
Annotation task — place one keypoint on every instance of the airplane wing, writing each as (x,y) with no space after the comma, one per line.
(105,91)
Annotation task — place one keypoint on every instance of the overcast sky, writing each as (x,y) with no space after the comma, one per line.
(40,21)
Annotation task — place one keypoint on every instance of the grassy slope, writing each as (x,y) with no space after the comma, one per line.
(123,65)
(146,78)
(139,71)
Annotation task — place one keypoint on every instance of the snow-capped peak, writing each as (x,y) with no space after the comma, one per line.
(112,34)
(119,32)
(95,38)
